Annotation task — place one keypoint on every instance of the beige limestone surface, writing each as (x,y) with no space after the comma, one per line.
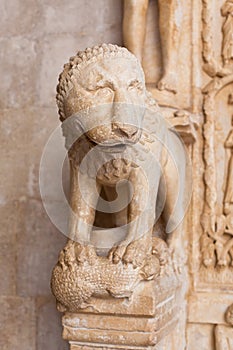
(198,53)
(36,38)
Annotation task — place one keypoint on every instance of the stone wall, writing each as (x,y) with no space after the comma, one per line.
(36,37)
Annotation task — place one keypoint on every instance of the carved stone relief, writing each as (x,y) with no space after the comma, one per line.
(216,241)
(227,29)
(136,282)
(170,22)
(152,30)
(211,291)
(116,136)
(218,197)
(213,64)
(224,333)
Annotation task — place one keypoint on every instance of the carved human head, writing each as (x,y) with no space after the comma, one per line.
(229,315)
(104,87)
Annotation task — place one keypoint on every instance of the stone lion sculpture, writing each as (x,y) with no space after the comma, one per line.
(116,136)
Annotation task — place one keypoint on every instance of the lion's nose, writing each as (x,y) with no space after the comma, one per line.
(125,130)
(121,96)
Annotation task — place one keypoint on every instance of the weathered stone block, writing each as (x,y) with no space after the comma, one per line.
(49,326)
(17,323)
(55,51)
(141,323)
(208,307)
(23,130)
(21,17)
(38,245)
(106,15)
(19,61)
(200,336)
(8,215)
(8,270)
(76,346)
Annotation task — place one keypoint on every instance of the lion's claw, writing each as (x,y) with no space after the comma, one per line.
(116,253)
(130,253)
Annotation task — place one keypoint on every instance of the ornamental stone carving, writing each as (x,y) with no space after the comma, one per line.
(170,23)
(126,162)
(133,274)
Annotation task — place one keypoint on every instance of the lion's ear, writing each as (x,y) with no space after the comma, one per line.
(70,103)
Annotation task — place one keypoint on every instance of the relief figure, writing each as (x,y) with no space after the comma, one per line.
(170,21)
(228,197)
(115,135)
(227,29)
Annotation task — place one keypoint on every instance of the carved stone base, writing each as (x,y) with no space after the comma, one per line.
(76,346)
(143,322)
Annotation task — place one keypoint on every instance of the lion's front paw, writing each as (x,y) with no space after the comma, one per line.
(116,253)
(61,307)
(85,253)
(131,253)
(160,250)
(67,257)
(136,252)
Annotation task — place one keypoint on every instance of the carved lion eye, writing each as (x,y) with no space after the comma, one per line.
(104,90)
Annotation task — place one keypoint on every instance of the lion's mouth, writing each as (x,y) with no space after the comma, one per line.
(115,144)
(113,149)
(108,146)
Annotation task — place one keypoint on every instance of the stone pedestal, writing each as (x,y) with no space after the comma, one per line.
(146,321)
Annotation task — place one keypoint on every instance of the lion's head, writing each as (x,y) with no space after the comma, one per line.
(105,87)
